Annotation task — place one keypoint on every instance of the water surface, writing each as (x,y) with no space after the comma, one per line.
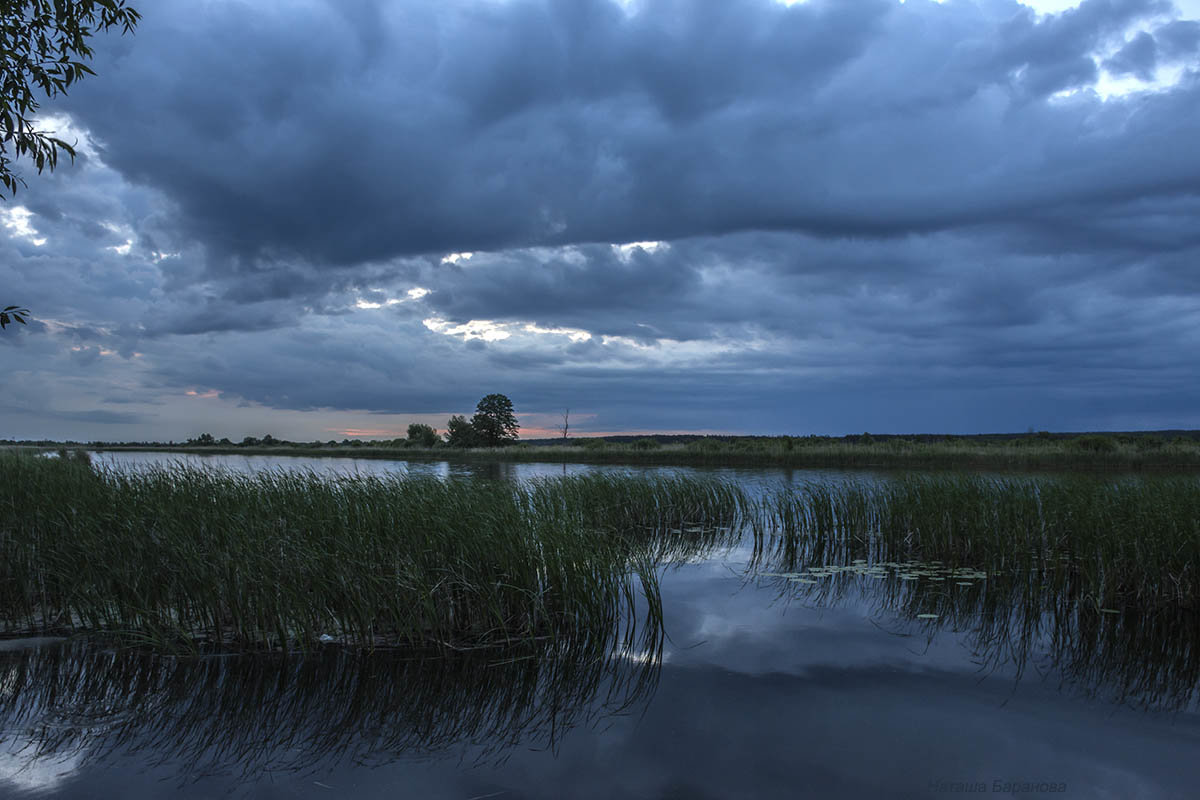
(758,687)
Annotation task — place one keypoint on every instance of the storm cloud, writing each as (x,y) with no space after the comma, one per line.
(731,215)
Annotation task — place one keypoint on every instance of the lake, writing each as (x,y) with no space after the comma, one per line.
(759,685)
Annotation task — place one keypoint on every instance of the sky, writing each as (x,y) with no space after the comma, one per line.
(323,219)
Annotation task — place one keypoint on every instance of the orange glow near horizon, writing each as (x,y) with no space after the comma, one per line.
(556,433)
(528,433)
(355,433)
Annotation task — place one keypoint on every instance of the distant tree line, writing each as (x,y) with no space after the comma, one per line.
(494,424)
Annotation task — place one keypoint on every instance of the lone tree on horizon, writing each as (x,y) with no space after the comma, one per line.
(494,422)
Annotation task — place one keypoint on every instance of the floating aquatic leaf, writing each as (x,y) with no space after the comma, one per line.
(927,616)
(1109,611)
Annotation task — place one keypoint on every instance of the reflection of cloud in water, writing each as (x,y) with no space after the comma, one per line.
(77,706)
(26,770)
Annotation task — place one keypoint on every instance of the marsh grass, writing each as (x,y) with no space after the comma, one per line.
(1094,577)
(1128,543)
(185,558)
(181,558)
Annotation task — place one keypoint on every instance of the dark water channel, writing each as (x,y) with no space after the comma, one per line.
(757,686)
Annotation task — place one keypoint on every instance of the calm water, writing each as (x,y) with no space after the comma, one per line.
(759,478)
(764,688)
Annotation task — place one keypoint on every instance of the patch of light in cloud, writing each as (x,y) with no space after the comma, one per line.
(63,127)
(454,258)
(120,230)
(104,351)
(411,295)
(574,334)
(156,256)
(1110,85)
(16,219)
(625,251)
(483,329)
(491,331)
(207,395)
(623,341)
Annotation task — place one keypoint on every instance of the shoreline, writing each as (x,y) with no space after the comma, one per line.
(1053,456)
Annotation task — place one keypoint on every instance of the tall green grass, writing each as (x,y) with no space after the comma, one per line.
(1130,542)
(181,557)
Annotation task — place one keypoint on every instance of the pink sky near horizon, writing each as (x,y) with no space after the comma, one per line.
(535,433)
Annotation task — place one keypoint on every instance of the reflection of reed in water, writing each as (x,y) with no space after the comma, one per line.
(1134,543)
(1043,603)
(251,715)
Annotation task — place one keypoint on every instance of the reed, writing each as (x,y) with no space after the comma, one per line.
(184,558)
(1131,542)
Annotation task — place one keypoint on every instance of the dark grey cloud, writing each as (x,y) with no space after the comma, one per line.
(98,416)
(873,216)
(1139,58)
(464,126)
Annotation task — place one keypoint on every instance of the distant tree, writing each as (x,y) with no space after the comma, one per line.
(495,421)
(249,441)
(268,441)
(203,439)
(461,433)
(566,426)
(421,434)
